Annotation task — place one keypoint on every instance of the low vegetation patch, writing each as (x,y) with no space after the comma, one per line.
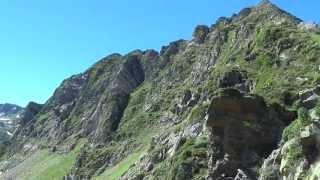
(296,126)
(117,171)
(45,165)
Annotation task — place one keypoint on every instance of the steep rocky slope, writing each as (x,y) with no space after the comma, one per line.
(238,101)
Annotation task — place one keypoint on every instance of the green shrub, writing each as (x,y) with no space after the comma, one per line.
(317,109)
(293,156)
(296,126)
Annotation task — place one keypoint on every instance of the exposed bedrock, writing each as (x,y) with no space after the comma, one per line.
(244,129)
(129,77)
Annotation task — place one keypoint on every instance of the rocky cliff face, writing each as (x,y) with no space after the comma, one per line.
(244,130)
(238,101)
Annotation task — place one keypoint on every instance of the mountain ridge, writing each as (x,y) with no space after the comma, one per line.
(163,106)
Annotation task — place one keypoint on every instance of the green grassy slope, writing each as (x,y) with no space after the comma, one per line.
(45,165)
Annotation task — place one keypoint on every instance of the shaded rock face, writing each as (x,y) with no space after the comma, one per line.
(92,103)
(152,64)
(246,129)
(311,147)
(129,77)
(309,97)
(25,127)
(30,112)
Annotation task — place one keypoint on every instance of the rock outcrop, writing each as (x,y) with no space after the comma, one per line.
(213,107)
(297,156)
(237,80)
(245,130)
(29,113)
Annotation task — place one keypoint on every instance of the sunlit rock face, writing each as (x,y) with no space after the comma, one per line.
(213,107)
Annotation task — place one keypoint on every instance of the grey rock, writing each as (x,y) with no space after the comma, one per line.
(237,80)
(235,120)
(192,130)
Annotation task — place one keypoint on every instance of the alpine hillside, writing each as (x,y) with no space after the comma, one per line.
(237,101)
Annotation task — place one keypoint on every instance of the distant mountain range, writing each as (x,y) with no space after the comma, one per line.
(9,115)
(9,110)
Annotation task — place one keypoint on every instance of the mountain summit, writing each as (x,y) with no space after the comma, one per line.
(237,101)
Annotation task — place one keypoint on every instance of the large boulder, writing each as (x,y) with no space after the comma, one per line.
(246,129)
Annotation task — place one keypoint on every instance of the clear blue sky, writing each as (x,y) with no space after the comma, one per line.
(43,42)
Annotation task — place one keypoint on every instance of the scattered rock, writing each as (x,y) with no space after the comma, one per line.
(193,130)
(308,26)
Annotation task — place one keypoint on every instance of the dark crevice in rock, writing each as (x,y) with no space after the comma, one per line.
(311,147)
(132,74)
